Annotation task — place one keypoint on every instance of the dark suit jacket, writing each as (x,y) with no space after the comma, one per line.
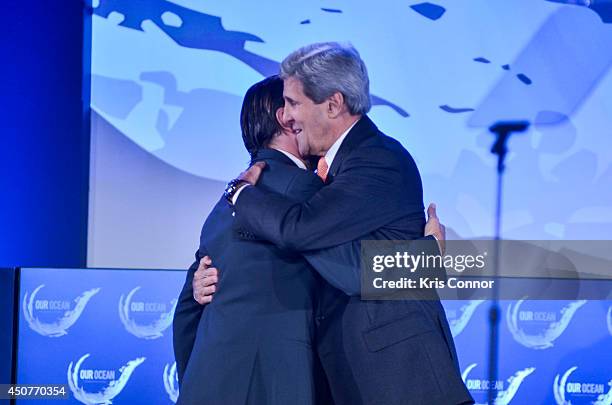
(373,352)
(254,341)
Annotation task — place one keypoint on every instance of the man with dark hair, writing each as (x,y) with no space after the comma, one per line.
(373,352)
(258,121)
(252,343)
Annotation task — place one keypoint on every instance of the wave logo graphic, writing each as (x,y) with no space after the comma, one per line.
(544,339)
(171,382)
(503,396)
(153,330)
(561,389)
(609,320)
(61,325)
(458,324)
(106,395)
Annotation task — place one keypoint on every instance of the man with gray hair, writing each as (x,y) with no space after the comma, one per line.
(372,352)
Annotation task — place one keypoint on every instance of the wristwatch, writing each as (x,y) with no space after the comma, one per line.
(231,189)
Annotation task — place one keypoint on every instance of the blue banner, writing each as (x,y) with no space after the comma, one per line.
(107,334)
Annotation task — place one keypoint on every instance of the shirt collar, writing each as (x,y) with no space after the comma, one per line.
(294,159)
(331,153)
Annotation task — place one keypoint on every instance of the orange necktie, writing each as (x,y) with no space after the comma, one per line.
(322,169)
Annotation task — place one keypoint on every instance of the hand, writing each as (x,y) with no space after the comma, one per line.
(204,281)
(435,228)
(251,175)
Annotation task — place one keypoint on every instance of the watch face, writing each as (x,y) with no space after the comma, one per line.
(230,190)
(231,186)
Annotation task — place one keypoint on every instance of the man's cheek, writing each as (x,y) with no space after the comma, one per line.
(303,144)
(301,140)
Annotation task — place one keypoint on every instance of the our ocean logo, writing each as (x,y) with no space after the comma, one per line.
(565,390)
(171,382)
(549,324)
(112,381)
(459,319)
(155,317)
(506,390)
(70,312)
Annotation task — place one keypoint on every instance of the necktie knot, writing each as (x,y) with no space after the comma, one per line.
(322,169)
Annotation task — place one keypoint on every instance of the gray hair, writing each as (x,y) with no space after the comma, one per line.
(329,67)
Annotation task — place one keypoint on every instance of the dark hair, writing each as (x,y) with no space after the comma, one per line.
(258,115)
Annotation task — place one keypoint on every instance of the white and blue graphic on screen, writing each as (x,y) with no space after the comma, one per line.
(170,76)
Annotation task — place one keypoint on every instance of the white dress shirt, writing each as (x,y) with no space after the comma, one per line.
(294,159)
(333,150)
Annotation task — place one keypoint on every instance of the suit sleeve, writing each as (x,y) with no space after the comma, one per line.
(340,265)
(361,198)
(186,318)
(301,187)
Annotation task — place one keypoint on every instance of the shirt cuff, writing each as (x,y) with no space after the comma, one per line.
(237,193)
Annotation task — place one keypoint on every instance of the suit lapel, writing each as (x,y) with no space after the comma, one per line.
(362,130)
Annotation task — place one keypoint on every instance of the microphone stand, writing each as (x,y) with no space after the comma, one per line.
(503,131)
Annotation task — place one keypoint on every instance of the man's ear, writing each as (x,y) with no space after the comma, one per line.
(285,126)
(335,105)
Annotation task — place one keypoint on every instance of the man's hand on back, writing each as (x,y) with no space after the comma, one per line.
(435,228)
(251,175)
(204,281)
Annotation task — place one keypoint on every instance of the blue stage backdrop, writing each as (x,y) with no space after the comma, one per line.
(168,79)
(107,334)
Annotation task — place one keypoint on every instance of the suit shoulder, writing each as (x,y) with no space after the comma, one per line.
(290,181)
(276,177)
(384,150)
(304,185)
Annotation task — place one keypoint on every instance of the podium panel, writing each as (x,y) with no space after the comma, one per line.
(107,334)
